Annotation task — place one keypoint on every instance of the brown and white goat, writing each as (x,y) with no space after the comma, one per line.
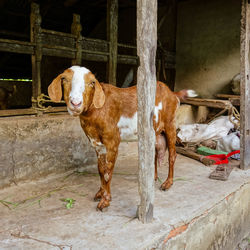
(109,114)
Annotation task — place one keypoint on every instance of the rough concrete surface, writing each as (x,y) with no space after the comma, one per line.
(196,213)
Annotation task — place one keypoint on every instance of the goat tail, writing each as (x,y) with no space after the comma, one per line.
(185,93)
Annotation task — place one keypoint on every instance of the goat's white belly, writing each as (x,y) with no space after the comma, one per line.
(128,125)
(128,128)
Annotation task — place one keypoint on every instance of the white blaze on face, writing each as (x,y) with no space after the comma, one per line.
(78,84)
(156,113)
(128,127)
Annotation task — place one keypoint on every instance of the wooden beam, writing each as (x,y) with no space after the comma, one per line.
(58,51)
(112,37)
(126,59)
(235,101)
(59,45)
(212,103)
(226,96)
(36,58)
(76,29)
(94,57)
(17,112)
(15,46)
(245,87)
(146,87)
(95,44)
(58,33)
(191,154)
(31,111)
(93,50)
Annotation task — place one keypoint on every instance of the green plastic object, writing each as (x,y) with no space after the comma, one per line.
(209,151)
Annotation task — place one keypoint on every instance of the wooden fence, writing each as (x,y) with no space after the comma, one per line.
(72,45)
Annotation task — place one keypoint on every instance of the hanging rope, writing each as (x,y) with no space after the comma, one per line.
(234,117)
(41,100)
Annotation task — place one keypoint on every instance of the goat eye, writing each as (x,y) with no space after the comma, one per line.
(92,83)
(64,80)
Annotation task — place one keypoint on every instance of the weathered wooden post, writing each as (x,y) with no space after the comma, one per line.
(36,58)
(112,36)
(76,29)
(146,87)
(245,87)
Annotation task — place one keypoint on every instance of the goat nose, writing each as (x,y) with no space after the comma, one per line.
(75,103)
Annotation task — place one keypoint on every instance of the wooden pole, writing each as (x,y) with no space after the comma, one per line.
(36,58)
(146,87)
(245,87)
(112,37)
(76,29)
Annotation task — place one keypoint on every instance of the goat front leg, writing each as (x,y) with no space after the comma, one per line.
(106,162)
(101,162)
(171,140)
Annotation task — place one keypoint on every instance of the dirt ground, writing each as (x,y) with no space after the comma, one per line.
(34,214)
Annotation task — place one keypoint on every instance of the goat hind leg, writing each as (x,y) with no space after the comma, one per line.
(156,173)
(160,150)
(171,140)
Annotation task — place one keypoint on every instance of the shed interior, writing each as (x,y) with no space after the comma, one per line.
(198,44)
(57,16)
(198,48)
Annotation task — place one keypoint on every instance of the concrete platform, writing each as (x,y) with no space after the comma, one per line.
(196,213)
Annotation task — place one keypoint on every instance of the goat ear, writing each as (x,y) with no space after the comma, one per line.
(99,96)
(55,89)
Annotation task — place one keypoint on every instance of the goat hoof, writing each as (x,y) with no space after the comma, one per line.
(166,185)
(103,205)
(98,195)
(105,209)
(97,198)
(156,178)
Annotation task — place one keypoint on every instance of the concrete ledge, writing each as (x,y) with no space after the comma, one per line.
(196,213)
(32,147)
(221,227)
